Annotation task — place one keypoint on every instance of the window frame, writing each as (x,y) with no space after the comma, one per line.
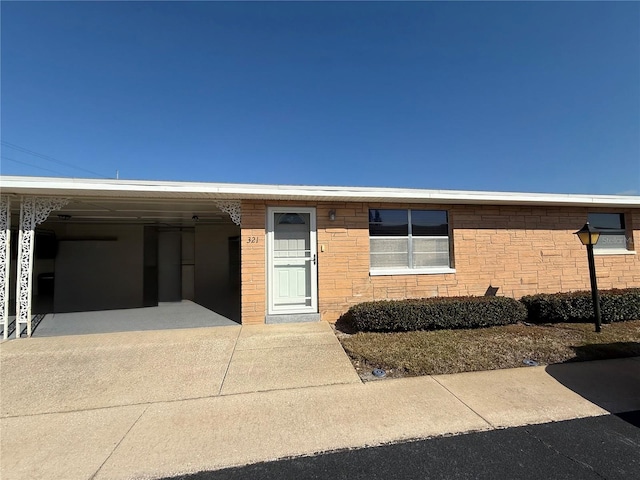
(600,250)
(409,269)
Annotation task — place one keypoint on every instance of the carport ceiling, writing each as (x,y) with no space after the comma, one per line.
(139,211)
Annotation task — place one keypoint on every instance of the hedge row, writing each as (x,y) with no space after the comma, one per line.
(435,313)
(615,306)
(476,312)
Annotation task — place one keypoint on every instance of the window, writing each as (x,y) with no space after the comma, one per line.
(409,241)
(612,231)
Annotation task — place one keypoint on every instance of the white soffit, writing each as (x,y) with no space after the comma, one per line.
(111,188)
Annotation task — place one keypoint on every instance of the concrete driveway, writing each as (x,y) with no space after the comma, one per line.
(79,372)
(160,403)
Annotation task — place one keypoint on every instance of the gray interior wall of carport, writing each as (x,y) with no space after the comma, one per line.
(95,273)
(98,267)
(214,289)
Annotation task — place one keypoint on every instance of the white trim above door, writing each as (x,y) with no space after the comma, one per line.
(292,261)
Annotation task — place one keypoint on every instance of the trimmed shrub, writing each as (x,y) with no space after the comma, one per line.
(434,313)
(615,306)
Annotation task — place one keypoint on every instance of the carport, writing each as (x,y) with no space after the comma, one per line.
(165,316)
(120,261)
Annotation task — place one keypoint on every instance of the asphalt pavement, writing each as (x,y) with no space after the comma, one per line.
(605,447)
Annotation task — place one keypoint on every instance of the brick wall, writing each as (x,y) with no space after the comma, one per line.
(253,262)
(519,250)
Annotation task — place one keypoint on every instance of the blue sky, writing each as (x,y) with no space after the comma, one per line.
(541,96)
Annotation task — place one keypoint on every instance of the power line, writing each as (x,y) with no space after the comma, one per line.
(48,158)
(30,165)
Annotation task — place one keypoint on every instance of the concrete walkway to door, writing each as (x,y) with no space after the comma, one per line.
(160,403)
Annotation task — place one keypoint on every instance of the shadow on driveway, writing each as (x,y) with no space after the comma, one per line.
(613,385)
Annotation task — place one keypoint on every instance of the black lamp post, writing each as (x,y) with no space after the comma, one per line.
(589,236)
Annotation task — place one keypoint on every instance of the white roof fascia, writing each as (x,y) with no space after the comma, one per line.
(75,187)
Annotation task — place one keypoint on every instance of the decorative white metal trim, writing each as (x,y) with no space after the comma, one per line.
(33,211)
(232,208)
(5,259)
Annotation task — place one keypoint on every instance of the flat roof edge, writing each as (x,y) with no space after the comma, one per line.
(158,189)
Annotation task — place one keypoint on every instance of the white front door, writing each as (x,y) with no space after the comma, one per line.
(292,262)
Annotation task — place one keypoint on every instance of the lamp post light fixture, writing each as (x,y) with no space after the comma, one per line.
(589,236)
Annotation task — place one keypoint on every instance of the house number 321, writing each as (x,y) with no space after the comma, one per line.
(252,239)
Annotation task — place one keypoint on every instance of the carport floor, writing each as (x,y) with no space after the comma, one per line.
(185,314)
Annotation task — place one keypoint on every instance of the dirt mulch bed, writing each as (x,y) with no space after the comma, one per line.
(455,351)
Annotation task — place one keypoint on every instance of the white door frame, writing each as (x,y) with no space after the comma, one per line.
(313,259)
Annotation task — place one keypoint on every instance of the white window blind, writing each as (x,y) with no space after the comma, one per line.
(408,239)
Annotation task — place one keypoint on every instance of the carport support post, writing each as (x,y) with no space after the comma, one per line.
(33,211)
(5,259)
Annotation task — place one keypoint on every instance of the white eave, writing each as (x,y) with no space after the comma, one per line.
(111,188)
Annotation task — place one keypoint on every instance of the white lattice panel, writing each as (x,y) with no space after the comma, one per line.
(33,211)
(5,258)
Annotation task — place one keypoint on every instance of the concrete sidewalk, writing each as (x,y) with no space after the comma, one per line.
(255,394)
